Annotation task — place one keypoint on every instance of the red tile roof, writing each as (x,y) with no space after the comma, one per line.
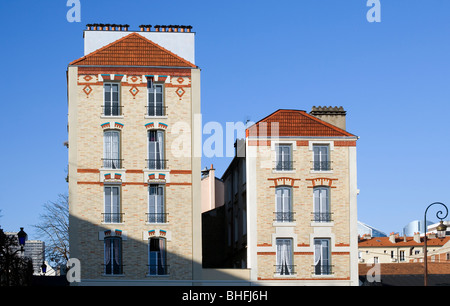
(132,50)
(296,123)
(407,268)
(400,241)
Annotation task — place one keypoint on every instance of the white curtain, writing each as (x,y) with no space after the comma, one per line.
(284,256)
(160,150)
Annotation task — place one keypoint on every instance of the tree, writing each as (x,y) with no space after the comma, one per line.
(15,270)
(54,228)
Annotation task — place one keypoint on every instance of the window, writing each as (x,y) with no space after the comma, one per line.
(321,160)
(111,150)
(283,158)
(111,106)
(157,256)
(112,205)
(322,260)
(155,99)
(113,255)
(156,150)
(283,207)
(284,264)
(322,204)
(156,211)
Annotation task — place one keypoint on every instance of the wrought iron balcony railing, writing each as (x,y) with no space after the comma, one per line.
(284,216)
(112,217)
(157,164)
(322,217)
(156,110)
(320,269)
(157,217)
(285,269)
(158,269)
(112,163)
(112,110)
(321,166)
(284,165)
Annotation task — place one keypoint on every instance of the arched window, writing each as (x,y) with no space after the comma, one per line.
(113,255)
(111,149)
(283,205)
(157,256)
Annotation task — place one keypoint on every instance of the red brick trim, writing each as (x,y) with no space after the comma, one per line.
(348,143)
(315,278)
(283,181)
(88,171)
(181,171)
(321,181)
(260,143)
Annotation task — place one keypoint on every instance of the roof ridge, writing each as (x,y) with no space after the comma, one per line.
(134,34)
(329,124)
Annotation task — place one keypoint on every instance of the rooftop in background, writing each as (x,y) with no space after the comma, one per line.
(179,40)
(295,123)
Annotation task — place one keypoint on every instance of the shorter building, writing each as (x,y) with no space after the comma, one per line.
(397,249)
(212,189)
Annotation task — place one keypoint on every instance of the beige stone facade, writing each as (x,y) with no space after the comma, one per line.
(283,243)
(178,179)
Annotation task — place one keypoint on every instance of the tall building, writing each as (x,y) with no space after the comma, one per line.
(301,190)
(134,172)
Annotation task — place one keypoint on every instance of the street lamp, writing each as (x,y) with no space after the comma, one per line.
(441,229)
(22,238)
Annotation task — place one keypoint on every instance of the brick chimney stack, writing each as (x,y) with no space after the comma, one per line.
(333,115)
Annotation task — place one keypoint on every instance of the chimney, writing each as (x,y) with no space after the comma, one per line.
(417,237)
(333,115)
(392,237)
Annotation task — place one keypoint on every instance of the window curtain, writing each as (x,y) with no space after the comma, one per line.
(111,151)
(283,204)
(321,203)
(160,150)
(156,203)
(284,256)
(321,256)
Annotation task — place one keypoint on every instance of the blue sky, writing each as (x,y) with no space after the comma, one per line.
(391,77)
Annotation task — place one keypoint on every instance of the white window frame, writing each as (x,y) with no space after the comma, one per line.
(311,145)
(111,204)
(108,153)
(111,101)
(161,146)
(156,207)
(286,204)
(284,256)
(155,106)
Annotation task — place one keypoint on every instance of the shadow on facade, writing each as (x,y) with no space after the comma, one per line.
(108,255)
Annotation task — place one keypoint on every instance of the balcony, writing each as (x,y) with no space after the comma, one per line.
(321,166)
(112,110)
(156,217)
(112,217)
(156,111)
(323,269)
(154,270)
(285,269)
(322,217)
(284,166)
(284,217)
(157,164)
(112,163)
